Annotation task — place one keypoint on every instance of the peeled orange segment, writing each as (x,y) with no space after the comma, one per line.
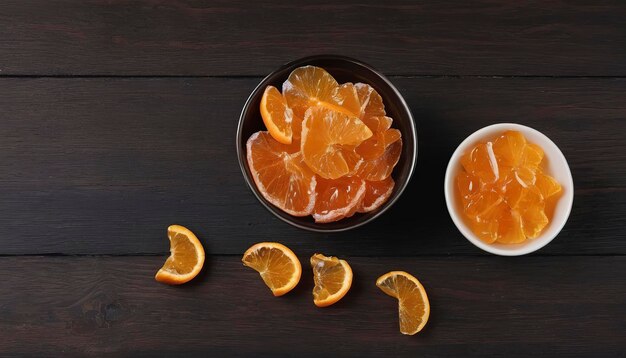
(381,167)
(467,186)
(376,194)
(509,148)
(332,277)
(532,215)
(186,257)
(513,151)
(278,266)
(375,146)
(481,162)
(487,231)
(372,147)
(513,192)
(510,228)
(328,141)
(282,177)
(276,115)
(481,204)
(338,199)
(547,185)
(413,305)
(378,123)
(346,98)
(371,102)
(392,135)
(306,87)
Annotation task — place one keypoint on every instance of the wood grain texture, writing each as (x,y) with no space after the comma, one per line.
(97,305)
(103,166)
(152,37)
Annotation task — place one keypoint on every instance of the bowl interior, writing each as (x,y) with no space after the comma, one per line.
(344,70)
(554,164)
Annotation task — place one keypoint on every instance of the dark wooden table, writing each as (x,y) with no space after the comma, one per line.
(118,119)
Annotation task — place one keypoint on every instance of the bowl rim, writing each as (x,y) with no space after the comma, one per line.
(456,217)
(302,62)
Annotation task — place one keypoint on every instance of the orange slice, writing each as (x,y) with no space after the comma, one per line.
(371,102)
(337,199)
(276,115)
(328,141)
(381,167)
(375,146)
(307,86)
(282,177)
(378,123)
(332,277)
(346,98)
(278,266)
(186,257)
(413,306)
(376,194)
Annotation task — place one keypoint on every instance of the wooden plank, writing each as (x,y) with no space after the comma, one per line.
(147,37)
(489,305)
(103,166)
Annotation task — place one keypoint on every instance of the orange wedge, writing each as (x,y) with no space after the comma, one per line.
(376,194)
(413,306)
(375,146)
(337,199)
(278,266)
(381,167)
(328,141)
(276,115)
(186,257)
(332,277)
(345,98)
(371,102)
(307,86)
(282,177)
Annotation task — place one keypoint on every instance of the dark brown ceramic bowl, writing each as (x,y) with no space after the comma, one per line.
(344,69)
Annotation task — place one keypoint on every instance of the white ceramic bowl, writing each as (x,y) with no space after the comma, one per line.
(555,165)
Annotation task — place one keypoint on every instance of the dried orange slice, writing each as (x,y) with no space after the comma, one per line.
(328,141)
(307,86)
(276,115)
(381,167)
(337,199)
(282,177)
(413,306)
(332,277)
(376,194)
(186,257)
(278,266)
